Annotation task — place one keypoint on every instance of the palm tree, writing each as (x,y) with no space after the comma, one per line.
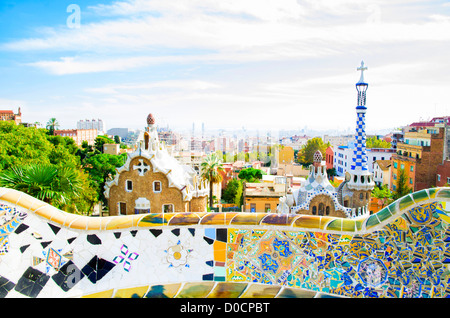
(56,186)
(52,124)
(211,166)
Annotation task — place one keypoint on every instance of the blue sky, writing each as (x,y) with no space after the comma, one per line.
(262,64)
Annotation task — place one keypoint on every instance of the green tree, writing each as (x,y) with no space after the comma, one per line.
(52,125)
(250,174)
(100,141)
(21,145)
(306,154)
(374,142)
(231,190)
(210,171)
(56,186)
(402,188)
(100,167)
(383,193)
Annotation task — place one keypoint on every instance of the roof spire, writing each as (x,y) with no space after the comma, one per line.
(362,68)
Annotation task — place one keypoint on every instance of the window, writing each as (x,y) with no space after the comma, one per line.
(439,177)
(410,181)
(314,210)
(321,208)
(156,186)
(395,164)
(252,207)
(361,196)
(448,180)
(402,166)
(395,176)
(327,210)
(129,185)
(267,207)
(122,208)
(168,208)
(411,168)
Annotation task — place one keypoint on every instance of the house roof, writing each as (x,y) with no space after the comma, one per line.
(383,164)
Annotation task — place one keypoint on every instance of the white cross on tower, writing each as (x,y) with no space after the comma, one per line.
(362,68)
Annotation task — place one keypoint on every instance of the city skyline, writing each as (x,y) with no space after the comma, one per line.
(271,65)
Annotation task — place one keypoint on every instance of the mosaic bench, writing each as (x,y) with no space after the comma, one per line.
(401,251)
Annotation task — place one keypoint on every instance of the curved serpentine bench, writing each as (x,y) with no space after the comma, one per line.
(401,251)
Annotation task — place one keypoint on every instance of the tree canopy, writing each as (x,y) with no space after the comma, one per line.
(306,154)
(250,174)
(374,142)
(54,168)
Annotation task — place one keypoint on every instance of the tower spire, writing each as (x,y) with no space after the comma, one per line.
(361,178)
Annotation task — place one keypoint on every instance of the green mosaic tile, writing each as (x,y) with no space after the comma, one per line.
(383,214)
(443,193)
(432,192)
(348,225)
(335,225)
(405,202)
(420,195)
(372,221)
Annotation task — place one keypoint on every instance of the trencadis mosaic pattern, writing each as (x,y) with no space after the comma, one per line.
(401,251)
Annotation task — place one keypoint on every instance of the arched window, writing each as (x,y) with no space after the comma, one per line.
(321,208)
(361,196)
(327,210)
(314,210)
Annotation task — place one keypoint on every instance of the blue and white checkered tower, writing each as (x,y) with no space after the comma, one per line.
(360,177)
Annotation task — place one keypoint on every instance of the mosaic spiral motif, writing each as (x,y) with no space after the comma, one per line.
(403,251)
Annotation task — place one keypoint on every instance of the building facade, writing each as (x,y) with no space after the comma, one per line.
(152,181)
(10,115)
(343,157)
(419,156)
(79,135)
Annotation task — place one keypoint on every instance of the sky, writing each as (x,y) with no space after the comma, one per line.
(230,64)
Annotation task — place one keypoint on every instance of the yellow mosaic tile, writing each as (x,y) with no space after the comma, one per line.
(102,294)
(79,223)
(61,217)
(120,222)
(195,290)
(27,201)
(11,196)
(134,292)
(95,223)
(260,291)
(213,219)
(163,291)
(227,290)
(245,218)
(307,221)
(184,219)
(46,211)
(155,219)
(296,293)
(229,216)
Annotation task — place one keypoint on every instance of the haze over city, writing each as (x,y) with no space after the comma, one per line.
(262,65)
